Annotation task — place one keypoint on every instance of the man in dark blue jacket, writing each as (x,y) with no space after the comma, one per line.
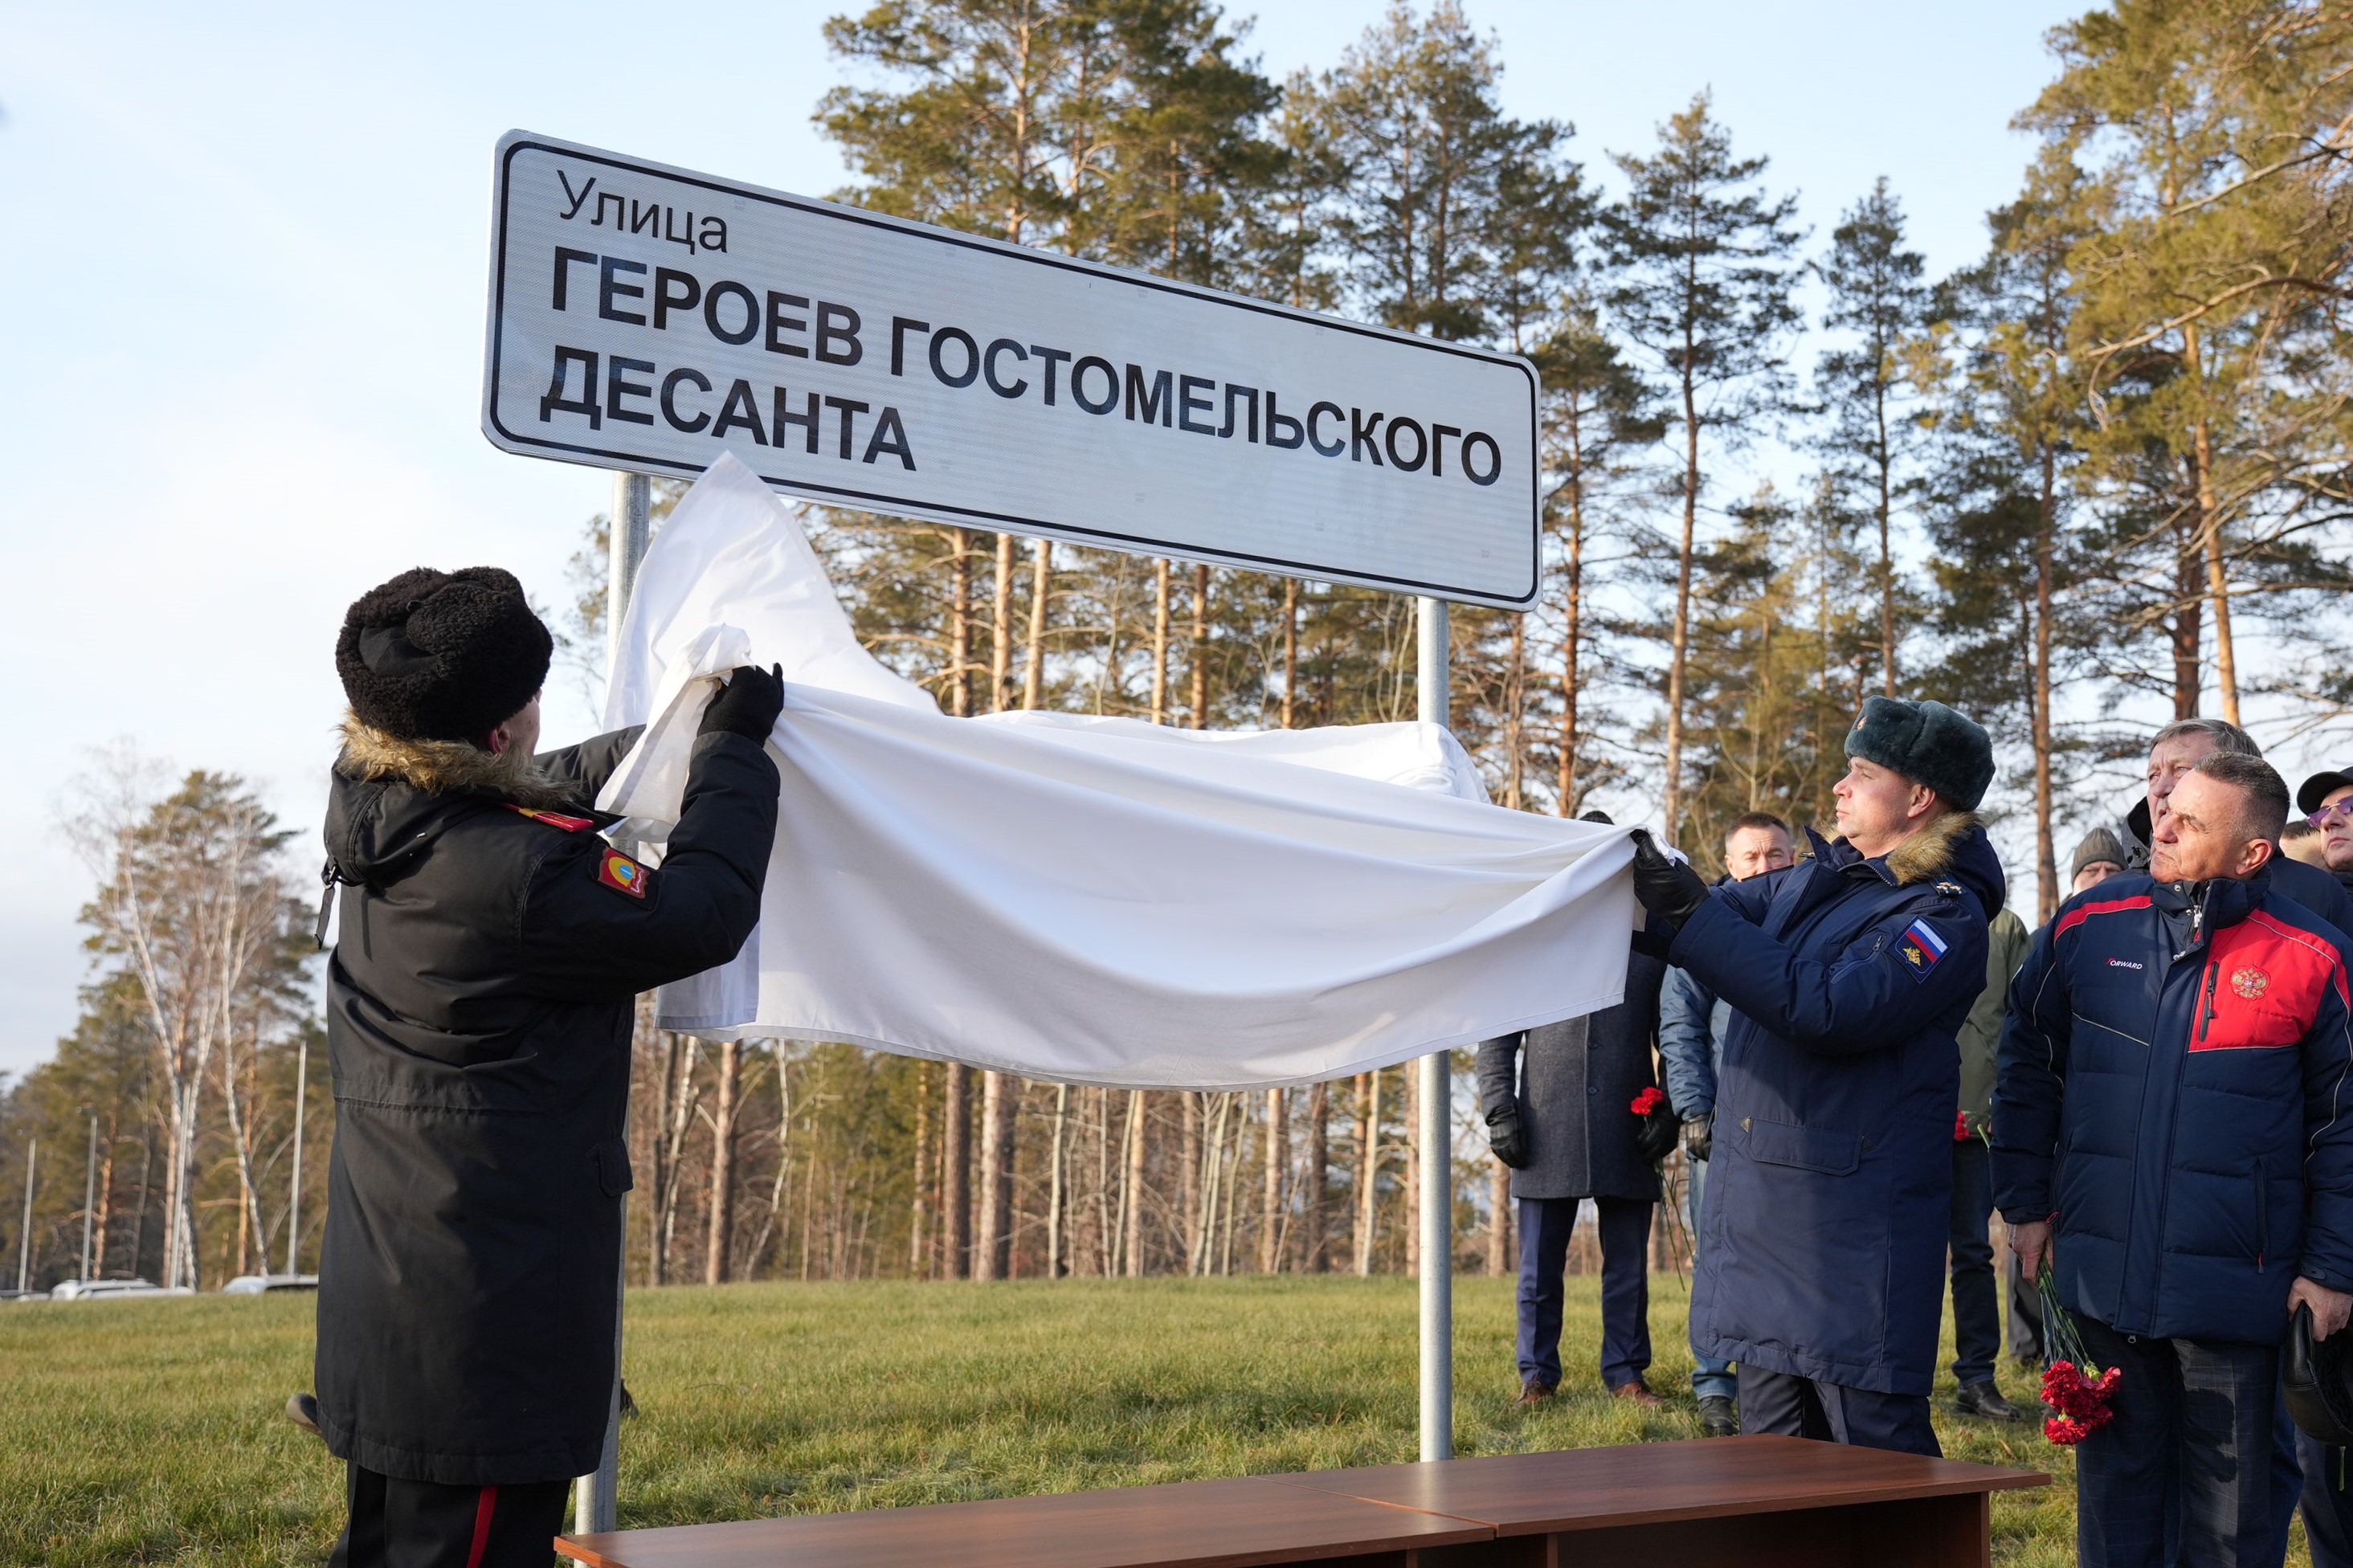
(1821,1261)
(2171,1134)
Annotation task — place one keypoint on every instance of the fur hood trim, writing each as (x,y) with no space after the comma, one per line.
(1929,853)
(439,767)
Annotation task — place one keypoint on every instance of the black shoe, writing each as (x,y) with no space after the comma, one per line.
(1718,1417)
(1985,1399)
(303,1409)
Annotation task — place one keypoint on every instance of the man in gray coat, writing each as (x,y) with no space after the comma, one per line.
(1558,1101)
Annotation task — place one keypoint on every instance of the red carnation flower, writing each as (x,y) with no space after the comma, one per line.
(2082,1403)
(1649,1100)
(1961,1126)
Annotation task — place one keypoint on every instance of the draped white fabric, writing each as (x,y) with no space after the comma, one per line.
(1092,900)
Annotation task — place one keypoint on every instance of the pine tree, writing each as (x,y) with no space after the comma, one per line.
(1703,289)
(2214,135)
(1876,296)
(2007,411)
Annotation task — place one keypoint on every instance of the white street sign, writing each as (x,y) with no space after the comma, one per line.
(645,317)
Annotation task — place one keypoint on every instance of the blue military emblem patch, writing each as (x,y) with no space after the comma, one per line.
(1920,947)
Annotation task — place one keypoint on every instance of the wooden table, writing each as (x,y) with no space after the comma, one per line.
(1757,1501)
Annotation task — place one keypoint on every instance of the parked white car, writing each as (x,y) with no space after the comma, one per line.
(256,1284)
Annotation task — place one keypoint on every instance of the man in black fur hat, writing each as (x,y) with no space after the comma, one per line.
(480,1004)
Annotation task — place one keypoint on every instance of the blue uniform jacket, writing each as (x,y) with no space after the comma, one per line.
(2172,1086)
(1822,1249)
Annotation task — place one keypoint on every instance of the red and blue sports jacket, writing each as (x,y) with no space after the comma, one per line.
(2173,1088)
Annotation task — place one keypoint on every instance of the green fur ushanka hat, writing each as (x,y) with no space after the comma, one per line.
(1928,743)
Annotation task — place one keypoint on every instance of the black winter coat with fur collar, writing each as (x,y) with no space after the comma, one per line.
(480,1003)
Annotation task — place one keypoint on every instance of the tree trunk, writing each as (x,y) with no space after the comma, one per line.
(1312,1256)
(955,1172)
(2047,893)
(719,1221)
(1160,642)
(1680,640)
(1290,650)
(1188,1161)
(2188,588)
(1000,653)
(1565,793)
(1514,704)
(2210,530)
(1000,1105)
(1271,1208)
(106,1205)
(960,626)
(1131,1197)
(1033,670)
(1414,1154)
(1057,1183)
(1200,648)
(1886,550)
(1499,1220)
(685,1096)
(1369,1165)
(919,1210)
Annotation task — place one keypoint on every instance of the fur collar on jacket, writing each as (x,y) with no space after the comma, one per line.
(1929,852)
(440,767)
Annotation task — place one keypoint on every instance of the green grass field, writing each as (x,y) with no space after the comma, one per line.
(149,1431)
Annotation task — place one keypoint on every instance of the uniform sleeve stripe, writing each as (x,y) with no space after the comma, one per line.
(2082,912)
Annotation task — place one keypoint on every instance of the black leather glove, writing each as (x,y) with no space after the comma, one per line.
(1504,1137)
(747,705)
(1654,1134)
(1699,1135)
(1667,888)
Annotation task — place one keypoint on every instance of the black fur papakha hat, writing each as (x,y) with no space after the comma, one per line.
(442,656)
(1927,742)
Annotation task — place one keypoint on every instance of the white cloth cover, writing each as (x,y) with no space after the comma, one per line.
(1091,900)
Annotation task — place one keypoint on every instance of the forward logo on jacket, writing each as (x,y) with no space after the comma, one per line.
(1920,947)
(621,874)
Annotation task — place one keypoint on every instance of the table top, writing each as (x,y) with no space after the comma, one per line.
(1263,1519)
(1649,1483)
(1199,1524)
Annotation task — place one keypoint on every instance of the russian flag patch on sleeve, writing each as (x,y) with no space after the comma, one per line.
(1920,947)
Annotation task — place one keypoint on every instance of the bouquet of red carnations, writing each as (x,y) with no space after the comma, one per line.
(2072,1385)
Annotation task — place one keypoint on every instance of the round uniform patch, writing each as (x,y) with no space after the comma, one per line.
(2249,983)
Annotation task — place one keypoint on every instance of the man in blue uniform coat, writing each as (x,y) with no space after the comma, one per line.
(1823,1234)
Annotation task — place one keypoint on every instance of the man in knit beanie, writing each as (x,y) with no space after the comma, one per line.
(480,1008)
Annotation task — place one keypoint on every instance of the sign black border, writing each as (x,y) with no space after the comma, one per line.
(524,446)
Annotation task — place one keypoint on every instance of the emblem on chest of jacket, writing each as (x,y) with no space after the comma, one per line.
(2249,983)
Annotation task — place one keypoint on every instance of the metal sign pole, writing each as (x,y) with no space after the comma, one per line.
(1436,1130)
(595,1499)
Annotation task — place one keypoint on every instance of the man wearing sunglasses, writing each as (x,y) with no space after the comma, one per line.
(2327,802)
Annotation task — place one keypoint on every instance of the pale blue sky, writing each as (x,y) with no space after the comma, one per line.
(243,274)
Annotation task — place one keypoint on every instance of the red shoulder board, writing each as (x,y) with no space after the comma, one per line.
(620,873)
(553,818)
